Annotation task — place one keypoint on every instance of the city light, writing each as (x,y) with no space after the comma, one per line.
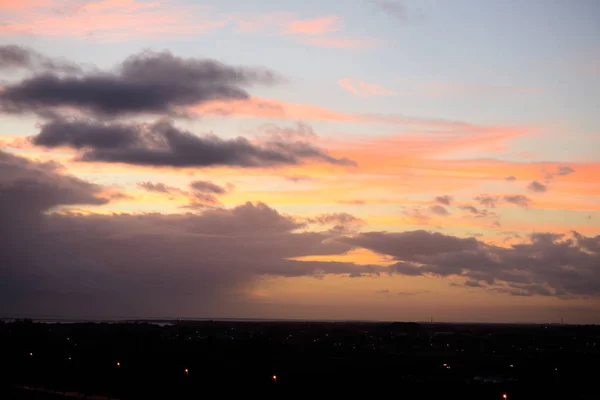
(31,354)
(505,396)
(274,378)
(187,371)
(118,364)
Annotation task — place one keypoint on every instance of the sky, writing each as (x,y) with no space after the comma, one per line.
(339,160)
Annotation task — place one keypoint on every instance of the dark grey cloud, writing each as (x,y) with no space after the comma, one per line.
(200,195)
(148,82)
(140,264)
(207,187)
(536,186)
(12,56)
(32,187)
(18,57)
(406,245)
(486,200)
(518,199)
(439,210)
(511,178)
(82,134)
(478,212)
(564,266)
(162,144)
(445,200)
(206,263)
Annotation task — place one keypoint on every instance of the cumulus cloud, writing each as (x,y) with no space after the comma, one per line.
(31,187)
(536,186)
(439,210)
(140,264)
(71,263)
(518,199)
(148,82)
(564,266)
(162,144)
(445,200)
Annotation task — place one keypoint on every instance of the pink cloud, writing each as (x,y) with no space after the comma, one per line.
(111,20)
(360,88)
(257,107)
(118,20)
(315,26)
(253,23)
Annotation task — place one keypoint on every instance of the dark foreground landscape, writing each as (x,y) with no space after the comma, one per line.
(185,359)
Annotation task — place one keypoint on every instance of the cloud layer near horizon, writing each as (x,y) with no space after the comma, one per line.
(158,262)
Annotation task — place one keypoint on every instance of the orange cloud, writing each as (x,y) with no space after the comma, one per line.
(106,19)
(361,88)
(315,26)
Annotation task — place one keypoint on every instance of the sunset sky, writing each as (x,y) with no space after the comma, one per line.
(342,159)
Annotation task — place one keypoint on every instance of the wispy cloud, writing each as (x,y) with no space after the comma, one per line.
(315,26)
(361,88)
(107,20)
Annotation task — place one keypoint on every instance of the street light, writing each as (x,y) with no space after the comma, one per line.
(118,364)
(505,396)
(274,378)
(186,371)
